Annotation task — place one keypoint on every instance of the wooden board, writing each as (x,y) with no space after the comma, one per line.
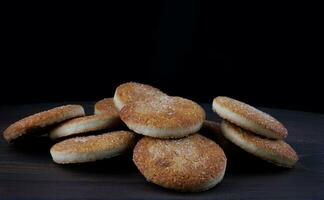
(27,171)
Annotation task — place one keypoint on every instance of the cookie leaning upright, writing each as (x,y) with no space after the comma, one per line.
(194,163)
(42,120)
(249,118)
(163,117)
(132,92)
(92,148)
(274,151)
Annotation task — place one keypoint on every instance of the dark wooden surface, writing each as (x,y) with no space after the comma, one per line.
(27,171)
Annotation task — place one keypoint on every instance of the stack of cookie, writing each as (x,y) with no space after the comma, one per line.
(69,121)
(254,131)
(170,152)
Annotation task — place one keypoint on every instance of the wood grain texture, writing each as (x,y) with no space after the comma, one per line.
(27,171)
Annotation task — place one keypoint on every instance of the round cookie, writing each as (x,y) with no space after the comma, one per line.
(249,118)
(92,148)
(277,152)
(41,120)
(83,125)
(164,117)
(194,163)
(131,92)
(106,106)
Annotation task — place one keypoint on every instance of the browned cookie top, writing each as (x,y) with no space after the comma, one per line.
(276,151)
(164,112)
(253,115)
(182,164)
(106,106)
(41,120)
(96,143)
(131,92)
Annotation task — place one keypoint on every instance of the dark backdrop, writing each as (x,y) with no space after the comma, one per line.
(266,55)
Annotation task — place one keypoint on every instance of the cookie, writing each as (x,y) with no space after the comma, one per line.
(39,121)
(132,92)
(277,152)
(84,125)
(164,117)
(194,163)
(106,106)
(92,148)
(249,118)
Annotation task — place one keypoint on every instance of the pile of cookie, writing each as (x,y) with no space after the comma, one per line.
(162,131)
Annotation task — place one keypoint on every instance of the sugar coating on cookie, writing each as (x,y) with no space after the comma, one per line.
(106,106)
(92,148)
(275,151)
(164,117)
(249,118)
(194,163)
(132,92)
(41,120)
(84,125)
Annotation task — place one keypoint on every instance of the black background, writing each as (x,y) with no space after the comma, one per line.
(267,55)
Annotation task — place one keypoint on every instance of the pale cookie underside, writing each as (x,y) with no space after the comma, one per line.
(84,125)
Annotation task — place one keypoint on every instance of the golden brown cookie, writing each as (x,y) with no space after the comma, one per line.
(194,163)
(163,117)
(249,118)
(132,92)
(83,125)
(41,120)
(106,106)
(274,151)
(92,148)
